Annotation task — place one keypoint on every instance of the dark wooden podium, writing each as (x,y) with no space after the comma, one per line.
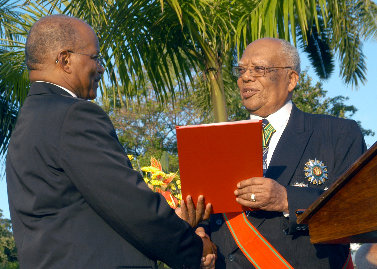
(347,211)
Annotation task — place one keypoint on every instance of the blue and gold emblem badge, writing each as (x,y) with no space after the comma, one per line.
(316,172)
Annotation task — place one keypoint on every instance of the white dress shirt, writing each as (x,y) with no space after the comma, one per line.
(279,121)
(68,91)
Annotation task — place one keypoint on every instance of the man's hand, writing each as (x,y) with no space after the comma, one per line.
(267,194)
(193,215)
(209,250)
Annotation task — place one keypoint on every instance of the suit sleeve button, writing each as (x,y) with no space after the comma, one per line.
(219,222)
(231,257)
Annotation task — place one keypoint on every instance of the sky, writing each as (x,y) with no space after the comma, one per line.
(364,99)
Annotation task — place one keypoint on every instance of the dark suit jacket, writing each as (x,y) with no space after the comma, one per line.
(74,199)
(337,143)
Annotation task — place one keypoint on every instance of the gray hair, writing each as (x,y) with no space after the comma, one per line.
(291,54)
(47,36)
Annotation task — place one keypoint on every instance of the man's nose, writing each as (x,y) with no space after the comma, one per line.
(248,75)
(101,69)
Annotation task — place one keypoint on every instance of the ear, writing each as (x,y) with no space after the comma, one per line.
(64,61)
(293,79)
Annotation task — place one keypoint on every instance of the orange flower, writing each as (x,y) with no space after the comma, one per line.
(172,201)
(156,164)
(169,179)
(168,184)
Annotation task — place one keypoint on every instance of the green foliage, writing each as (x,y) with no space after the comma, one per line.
(13,78)
(318,49)
(146,127)
(167,43)
(8,252)
(346,38)
(8,112)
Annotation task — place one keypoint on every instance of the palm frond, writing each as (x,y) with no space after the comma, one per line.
(318,50)
(8,18)
(346,40)
(8,115)
(279,19)
(161,46)
(367,11)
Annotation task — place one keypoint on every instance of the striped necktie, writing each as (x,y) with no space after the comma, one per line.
(268,131)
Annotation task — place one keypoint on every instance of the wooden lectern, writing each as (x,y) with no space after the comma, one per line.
(347,211)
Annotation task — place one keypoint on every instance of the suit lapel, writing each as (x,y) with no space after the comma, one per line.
(287,155)
(290,148)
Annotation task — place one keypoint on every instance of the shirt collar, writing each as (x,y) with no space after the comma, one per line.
(278,119)
(61,87)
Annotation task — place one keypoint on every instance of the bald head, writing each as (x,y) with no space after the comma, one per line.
(47,37)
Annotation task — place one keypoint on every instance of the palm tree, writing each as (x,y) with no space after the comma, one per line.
(162,45)
(208,35)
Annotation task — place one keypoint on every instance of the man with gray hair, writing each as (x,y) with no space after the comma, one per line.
(303,154)
(75,200)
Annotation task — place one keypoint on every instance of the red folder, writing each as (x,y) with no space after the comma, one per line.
(213,158)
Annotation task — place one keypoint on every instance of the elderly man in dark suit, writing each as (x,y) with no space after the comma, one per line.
(74,199)
(303,155)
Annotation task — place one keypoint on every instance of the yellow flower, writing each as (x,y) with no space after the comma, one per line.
(131,157)
(156,182)
(150,169)
(158,174)
(173,175)
(171,204)
(168,184)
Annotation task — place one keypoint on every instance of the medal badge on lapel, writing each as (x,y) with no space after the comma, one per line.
(316,172)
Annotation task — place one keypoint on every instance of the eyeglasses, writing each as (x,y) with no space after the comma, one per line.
(98,58)
(256,71)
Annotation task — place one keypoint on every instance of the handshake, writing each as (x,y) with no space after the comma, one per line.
(193,215)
